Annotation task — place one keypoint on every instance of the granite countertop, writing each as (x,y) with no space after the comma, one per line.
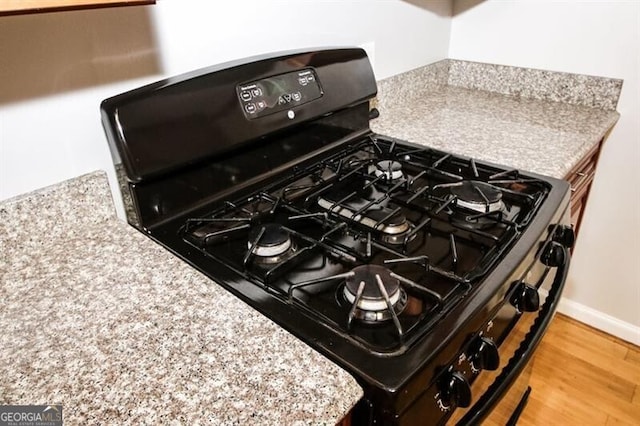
(99,318)
(540,121)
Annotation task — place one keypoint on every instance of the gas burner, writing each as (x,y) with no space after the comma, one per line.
(392,227)
(391,170)
(478,196)
(271,243)
(372,282)
(395,229)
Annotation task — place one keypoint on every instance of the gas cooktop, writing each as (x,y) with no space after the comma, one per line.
(376,241)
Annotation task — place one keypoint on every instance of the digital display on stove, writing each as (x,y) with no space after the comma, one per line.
(278,93)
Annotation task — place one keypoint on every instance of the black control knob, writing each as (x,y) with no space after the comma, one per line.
(484,354)
(553,254)
(374,113)
(525,298)
(564,235)
(455,390)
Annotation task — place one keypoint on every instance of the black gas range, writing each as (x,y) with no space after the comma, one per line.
(407,266)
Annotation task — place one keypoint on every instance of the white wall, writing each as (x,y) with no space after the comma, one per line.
(55,68)
(598,38)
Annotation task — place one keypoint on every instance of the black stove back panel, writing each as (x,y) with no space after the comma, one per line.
(188,119)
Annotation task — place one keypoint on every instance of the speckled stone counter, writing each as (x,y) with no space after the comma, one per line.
(97,317)
(540,121)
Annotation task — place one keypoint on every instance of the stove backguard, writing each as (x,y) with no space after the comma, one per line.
(182,141)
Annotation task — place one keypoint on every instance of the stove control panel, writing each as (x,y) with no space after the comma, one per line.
(454,385)
(278,93)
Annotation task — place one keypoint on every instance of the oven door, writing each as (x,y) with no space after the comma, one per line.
(504,392)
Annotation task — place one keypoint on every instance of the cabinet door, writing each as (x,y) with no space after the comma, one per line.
(17,7)
(580,178)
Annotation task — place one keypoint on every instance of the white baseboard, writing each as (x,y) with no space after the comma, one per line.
(599,320)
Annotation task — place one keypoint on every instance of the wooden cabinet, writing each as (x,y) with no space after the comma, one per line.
(346,421)
(18,7)
(581,178)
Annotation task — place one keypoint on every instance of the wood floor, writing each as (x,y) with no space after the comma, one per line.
(582,376)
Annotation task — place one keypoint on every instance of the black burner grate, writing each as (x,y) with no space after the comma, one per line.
(344,214)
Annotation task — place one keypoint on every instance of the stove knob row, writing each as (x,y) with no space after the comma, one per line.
(483,354)
(454,391)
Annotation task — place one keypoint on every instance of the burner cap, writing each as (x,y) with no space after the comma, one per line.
(396,220)
(391,170)
(274,241)
(372,299)
(479,196)
(395,229)
(396,224)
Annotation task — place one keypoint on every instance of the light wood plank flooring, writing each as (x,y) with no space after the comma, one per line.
(582,376)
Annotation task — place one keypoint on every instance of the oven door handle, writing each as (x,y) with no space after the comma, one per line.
(525,351)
